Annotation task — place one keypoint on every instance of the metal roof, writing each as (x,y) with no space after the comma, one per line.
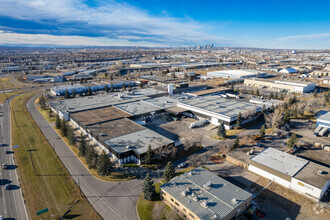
(138,107)
(325,117)
(138,141)
(103,100)
(280,161)
(222,196)
(218,105)
(162,102)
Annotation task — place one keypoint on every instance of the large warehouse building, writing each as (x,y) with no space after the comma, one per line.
(282,85)
(200,194)
(218,109)
(300,175)
(236,74)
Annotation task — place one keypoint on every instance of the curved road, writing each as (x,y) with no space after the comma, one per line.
(12,204)
(112,200)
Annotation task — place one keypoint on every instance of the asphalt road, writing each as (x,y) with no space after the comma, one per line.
(112,200)
(12,205)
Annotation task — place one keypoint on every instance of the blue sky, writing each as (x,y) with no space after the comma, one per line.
(289,24)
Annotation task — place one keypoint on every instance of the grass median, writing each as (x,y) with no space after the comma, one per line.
(4,96)
(44,180)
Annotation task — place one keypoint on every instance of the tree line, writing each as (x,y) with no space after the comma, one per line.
(101,162)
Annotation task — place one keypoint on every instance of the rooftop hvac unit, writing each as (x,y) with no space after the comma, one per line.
(205,204)
(190,173)
(207,185)
(184,193)
(195,198)
(234,200)
(215,216)
(322,172)
(128,147)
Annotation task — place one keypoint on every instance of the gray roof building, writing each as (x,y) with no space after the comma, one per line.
(138,142)
(206,195)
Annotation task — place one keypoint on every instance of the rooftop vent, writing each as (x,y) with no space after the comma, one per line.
(207,185)
(184,193)
(195,198)
(205,204)
(190,173)
(128,147)
(322,172)
(234,200)
(215,216)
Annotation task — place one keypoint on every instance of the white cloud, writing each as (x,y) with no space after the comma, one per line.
(114,19)
(307,41)
(305,37)
(37,39)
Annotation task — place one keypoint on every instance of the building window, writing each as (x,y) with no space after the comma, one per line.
(172,200)
(177,204)
(193,217)
(184,209)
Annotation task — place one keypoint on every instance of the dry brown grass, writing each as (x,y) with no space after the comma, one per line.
(45,182)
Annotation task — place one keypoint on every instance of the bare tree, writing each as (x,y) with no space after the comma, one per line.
(274,120)
(191,139)
(249,112)
(174,151)
(195,160)
(313,103)
(157,211)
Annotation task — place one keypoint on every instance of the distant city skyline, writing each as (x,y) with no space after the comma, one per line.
(270,24)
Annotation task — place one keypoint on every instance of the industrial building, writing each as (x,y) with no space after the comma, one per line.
(282,85)
(288,70)
(217,109)
(200,194)
(268,103)
(77,88)
(323,125)
(114,131)
(67,106)
(298,174)
(115,122)
(236,74)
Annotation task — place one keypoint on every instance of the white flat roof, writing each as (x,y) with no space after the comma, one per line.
(240,72)
(280,161)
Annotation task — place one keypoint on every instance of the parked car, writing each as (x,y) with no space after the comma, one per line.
(4,166)
(260,214)
(7,186)
(181,165)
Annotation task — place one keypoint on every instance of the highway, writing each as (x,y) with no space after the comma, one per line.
(12,205)
(112,200)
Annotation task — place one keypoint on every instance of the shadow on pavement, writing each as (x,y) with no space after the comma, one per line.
(11,167)
(14,187)
(4,181)
(70,216)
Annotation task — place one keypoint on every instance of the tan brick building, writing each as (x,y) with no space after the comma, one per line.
(200,194)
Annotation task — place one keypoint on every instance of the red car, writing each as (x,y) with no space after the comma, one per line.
(260,213)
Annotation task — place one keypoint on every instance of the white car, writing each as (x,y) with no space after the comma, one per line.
(4,166)
(182,165)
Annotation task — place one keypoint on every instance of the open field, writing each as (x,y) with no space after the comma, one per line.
(6,83)
(44,180)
